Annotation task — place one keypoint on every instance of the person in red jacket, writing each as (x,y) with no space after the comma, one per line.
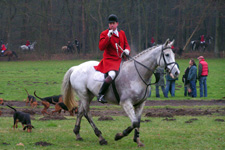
(3,49)
(110,63)
(27,43)
(203,71)
(202,40)
(152,41)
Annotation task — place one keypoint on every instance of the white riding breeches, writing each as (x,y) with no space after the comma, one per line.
(112,74)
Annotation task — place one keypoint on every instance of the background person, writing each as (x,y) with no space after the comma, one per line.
(170,85)
(28,44)
(187,89)
(3,49)
(77,43)
(110,63)
(69,47)
(192,76)
(161,82)
(203,71)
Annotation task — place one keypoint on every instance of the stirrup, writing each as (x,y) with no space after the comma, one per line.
(101,99)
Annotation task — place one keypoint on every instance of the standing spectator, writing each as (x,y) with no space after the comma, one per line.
(161,82)
(77,45)
(187,89)
(70,47)
(203,71)
(170,85)
(192,76)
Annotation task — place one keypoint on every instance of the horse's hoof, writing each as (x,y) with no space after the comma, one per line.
(118,136)
(79,139)
(103,142)
(141,145)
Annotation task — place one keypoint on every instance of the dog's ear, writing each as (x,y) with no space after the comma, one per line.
(32,126)
(25,128)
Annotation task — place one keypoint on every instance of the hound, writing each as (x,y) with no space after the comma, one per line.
(46,101)
(22,117)
(61,106)
(31,99)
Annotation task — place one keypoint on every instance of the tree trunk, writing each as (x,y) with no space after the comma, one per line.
(217,34)
(83,27)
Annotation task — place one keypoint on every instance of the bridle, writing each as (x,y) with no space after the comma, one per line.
(162,55)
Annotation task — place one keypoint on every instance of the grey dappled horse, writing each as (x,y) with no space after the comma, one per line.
(131,84)
(26,48)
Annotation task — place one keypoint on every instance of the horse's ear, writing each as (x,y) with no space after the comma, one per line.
(167,42)
(171,43)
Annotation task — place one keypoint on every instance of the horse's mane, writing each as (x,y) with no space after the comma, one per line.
(145,51)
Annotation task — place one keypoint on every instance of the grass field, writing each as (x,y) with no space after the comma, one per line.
(204,133)
(46,77)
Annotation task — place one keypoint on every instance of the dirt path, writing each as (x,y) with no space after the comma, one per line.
(149,112)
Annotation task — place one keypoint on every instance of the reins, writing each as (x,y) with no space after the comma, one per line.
(157,75)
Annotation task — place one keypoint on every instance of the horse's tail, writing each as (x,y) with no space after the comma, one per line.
(68,94)
(14,53)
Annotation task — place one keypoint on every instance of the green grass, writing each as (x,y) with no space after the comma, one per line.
(205,133)
(46,78)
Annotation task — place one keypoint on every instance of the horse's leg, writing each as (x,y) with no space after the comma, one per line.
(76,129)
(129,109)
(98,133)
(138,112)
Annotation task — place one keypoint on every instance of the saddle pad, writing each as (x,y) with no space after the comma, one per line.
(98,76)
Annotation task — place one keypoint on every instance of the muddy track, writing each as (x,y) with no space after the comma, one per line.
(148,112)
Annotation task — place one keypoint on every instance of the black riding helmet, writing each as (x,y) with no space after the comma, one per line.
(112,18)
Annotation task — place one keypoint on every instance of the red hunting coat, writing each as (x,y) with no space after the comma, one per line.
(27,43)
(3,48)
(111,60)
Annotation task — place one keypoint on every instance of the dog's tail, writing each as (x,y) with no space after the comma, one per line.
(38,96)
(11,107)
(26,91)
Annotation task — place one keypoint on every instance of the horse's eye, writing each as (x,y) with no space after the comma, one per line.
(167,55)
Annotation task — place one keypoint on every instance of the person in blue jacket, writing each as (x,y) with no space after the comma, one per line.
(170,85)
(192,76)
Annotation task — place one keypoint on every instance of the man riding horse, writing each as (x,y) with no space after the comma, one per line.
(28,44)
(110,63)
(3,49)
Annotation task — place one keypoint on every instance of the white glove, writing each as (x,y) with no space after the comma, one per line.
(126,51)
(110,33)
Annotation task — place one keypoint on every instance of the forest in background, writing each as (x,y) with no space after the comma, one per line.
(54,22)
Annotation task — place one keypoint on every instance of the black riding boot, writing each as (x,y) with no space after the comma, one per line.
(103,90)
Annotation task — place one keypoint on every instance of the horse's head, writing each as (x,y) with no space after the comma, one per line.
(32,45)
(167,59)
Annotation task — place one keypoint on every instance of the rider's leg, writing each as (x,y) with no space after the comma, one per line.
(105,86)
